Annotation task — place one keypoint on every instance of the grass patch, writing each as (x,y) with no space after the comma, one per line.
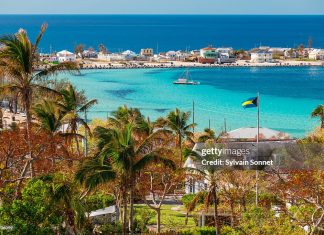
(170,219)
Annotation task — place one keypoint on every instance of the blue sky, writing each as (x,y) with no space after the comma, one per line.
(162,7)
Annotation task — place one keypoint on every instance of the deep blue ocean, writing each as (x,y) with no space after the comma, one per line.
(168,32)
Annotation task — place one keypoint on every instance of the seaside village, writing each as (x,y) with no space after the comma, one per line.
(207,56)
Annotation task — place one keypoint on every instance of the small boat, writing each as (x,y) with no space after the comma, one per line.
(185,80)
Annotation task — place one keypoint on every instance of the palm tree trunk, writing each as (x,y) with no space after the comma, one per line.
(216,212)
(131,207)
(77,143)
(28,124)
(1,118)
(124,212)
(180,147)
(16,103)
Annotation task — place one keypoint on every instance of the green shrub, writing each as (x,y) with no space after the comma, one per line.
(109,229)
(99,201)
(142,218)
(198,231)
(34,213)
(227,230)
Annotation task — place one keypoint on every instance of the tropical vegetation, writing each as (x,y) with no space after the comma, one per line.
(58,171)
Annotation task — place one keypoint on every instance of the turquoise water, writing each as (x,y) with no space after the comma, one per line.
(288,94)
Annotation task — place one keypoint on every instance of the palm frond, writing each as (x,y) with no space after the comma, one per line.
(94,172)
(39,37)
(88,105)
(153,158)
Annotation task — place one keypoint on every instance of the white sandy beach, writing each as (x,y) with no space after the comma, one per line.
(92,64)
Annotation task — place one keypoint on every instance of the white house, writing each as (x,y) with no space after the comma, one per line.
(182,55)
(171,55)
(195,52)
(316,54)
(104,215)
(64,56)
(225,55)
(160,58)
(129,55)
(250,133)
(242,138)
(90,53)
(110,57)
(228,50)
(261,56)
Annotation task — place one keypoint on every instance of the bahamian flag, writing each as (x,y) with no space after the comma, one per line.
(250,103)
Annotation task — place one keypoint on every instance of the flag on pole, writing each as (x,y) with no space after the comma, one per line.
(250,103)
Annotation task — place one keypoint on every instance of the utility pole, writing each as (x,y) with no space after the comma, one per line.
(193,116)
(85,135)
(258,133)
(225,129)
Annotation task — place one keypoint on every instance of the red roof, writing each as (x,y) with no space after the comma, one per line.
(208,48)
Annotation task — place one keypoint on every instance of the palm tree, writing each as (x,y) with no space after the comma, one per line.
(127,145)
(49,116)
(94,172)
(319,112)
(211,175)
(177,121)
(65,196)
(208,135)
(18,63)
(128,156)
(49,120)
(71,108)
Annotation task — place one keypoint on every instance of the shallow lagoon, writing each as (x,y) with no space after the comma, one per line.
(288,94)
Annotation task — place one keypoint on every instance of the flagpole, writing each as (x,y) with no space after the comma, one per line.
(257,139)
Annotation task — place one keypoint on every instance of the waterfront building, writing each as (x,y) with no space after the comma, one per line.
(110,57)
(228,50)
(129,55)
(182,55)
(225,55)
(261,56)
(316,54)
(147,52)
(195,52)
(171,55)
(208,55)
(290,53)
(64,56)
(90,53)
(160,58)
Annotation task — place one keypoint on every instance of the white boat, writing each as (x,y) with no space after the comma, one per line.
(185,80)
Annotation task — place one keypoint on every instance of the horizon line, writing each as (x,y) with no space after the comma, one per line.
(154,14)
